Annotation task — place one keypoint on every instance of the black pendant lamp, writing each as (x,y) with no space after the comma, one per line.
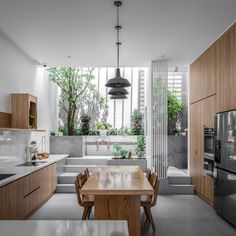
(118,97)
(118,81)
(118,91)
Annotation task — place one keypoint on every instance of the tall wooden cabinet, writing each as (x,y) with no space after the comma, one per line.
(201,115)
(212,89)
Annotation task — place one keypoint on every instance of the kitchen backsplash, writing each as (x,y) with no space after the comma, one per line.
(14,145)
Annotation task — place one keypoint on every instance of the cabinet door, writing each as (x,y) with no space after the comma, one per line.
(196,81)
(196,145)
(48,181)
(225,70)
(202,76)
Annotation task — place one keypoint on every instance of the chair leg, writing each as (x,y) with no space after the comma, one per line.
(151,218)
(146,213)
(89,211)
(85,213)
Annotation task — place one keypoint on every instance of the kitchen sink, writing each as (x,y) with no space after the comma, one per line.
(4,176)
(33,163)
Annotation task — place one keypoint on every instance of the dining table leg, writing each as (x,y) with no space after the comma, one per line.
(119,207)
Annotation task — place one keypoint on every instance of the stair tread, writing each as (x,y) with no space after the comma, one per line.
(65,184)
(68,174)
(71,165)
(181,185)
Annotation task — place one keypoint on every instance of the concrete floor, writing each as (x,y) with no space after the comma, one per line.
(174,215)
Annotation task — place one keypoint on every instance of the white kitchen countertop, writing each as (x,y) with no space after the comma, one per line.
(21,171)
(63,228)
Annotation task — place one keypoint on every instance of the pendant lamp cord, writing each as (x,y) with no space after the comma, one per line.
(118,37)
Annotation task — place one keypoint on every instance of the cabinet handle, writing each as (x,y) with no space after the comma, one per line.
(31,192)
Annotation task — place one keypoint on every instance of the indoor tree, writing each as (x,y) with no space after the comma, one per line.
(77,95)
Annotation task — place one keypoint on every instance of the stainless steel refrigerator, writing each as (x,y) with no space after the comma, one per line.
(225,165)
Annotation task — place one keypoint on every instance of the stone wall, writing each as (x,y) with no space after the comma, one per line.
(177,151)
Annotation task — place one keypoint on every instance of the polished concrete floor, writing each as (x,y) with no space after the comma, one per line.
(184,215)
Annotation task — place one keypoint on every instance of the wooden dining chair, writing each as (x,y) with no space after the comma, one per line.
(147,202)
(85,201)
(148,174)
(86,171)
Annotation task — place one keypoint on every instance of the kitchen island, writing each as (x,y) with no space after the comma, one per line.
(63,228)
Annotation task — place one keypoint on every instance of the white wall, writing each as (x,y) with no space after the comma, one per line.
(20,74)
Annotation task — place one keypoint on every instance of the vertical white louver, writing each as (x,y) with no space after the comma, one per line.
(159,76)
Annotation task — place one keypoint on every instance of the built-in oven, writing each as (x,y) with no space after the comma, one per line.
(209,147)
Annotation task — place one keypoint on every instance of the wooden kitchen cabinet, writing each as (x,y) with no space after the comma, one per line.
(23,111)
(201,115)
(202,76)
(21,197)
(226,70)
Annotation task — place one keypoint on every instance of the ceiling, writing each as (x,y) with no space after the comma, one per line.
(51,30)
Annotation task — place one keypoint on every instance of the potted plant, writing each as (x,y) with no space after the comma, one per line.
(137,120)
(119,150)
(140,147)
(85,127)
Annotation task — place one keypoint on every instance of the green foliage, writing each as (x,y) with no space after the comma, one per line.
(119,150)
(120,131)
(103,126)
(140,146)
(85,127)
(175,106)
(175,109)
(137,123)
(78,95)
(137,115)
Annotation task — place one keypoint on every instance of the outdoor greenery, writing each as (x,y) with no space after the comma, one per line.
(85,127)
(119,150)
(175,109)
(103,126)
(77,96)
(137,123)
(140,147)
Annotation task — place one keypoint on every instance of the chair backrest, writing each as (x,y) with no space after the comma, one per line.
(87,173)
(148,175)
(79,182)
(155,182)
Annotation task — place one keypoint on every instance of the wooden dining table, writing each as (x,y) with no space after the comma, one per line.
(117,191)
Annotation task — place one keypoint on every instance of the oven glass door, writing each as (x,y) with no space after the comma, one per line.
(209,144)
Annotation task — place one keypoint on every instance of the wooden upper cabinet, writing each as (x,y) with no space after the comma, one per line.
(24,111)
(202,76)
(226,70)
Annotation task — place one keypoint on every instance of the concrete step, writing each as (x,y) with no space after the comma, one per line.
(86,161)
(180,180)
(166,188)
(78,168)
(65,188)
(181,189)
(67,178)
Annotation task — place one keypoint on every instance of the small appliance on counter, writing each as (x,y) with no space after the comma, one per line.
(209,151)
(225,165)
(33,151)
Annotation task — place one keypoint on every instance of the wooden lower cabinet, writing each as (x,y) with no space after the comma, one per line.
(21,197)
(201,115)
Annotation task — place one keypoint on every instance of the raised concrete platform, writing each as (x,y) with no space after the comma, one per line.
(176,182)
(76,165)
